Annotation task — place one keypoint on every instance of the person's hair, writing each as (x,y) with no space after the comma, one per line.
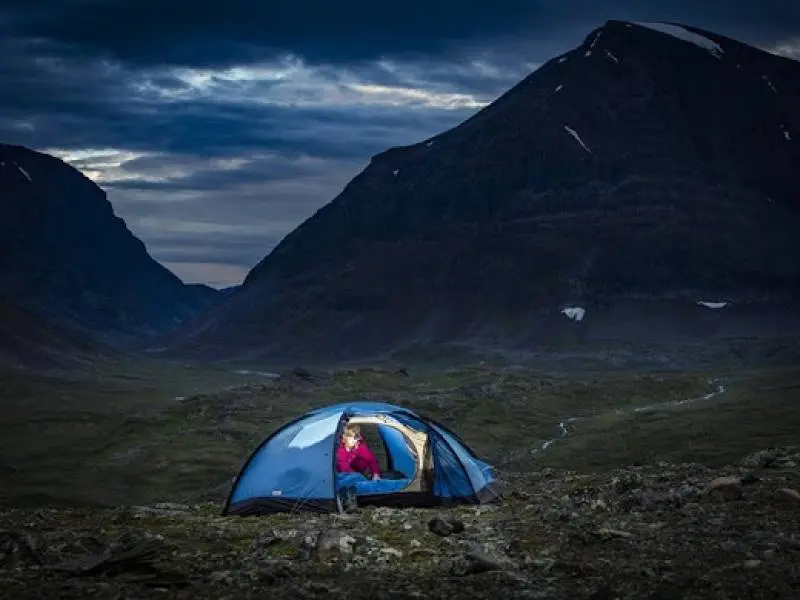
(352,429)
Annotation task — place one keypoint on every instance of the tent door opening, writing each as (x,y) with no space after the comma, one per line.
(404,450)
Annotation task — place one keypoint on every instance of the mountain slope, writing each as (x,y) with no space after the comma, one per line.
(653,164)
(67,258)
(26,341)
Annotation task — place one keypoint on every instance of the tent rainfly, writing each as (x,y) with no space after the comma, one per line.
(294,468)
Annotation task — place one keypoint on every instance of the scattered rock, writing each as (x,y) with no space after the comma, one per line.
(422,552)
(607,532)
(750,478)
(726,488)
(519,494)
(475,562)
(445,527)
(19,547)
(791,544)
(262,543)
(131,558)
(391,552)
(131,551)
(306,548)
(172,506)
(603,593)
(143,512)
(334,542)
(752,563)
(276,570)
(790,495)
(626,483)
(647,529)
(772,458)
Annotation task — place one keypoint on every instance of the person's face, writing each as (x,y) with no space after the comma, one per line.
(349,439)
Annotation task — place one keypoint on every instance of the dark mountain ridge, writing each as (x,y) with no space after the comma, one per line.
(28,342)
(653,164)
(68,259)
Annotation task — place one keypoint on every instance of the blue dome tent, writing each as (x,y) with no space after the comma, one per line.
(293,469)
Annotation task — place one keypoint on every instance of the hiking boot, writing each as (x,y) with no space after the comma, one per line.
(348,499)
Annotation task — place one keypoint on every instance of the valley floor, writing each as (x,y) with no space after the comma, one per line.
(144,432)
(606,477)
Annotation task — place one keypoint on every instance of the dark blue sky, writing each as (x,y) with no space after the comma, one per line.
(217,130)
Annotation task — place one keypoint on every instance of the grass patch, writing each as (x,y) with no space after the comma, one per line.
(759,410)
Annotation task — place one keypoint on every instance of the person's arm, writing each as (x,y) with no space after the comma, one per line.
(343,460)
(371,459)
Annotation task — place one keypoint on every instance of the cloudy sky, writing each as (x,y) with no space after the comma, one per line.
(217,127)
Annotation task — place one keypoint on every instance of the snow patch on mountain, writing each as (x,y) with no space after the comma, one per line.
(24,172)
(576,313)
(684,34)
(594,41)
(712,304)
(574,134)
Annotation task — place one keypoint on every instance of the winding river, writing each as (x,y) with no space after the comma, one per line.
(565,427)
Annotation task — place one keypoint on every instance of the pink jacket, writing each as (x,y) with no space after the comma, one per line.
(356,460)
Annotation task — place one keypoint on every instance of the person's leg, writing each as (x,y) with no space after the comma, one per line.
(360,465)
(348,499)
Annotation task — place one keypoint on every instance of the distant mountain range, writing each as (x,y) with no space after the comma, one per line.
(69,262)
(644,185)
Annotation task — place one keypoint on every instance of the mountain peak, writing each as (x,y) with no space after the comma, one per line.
(654,162)
(697,37)
(99,280)
(15,164)
(691,38)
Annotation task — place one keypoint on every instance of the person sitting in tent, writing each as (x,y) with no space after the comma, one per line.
(353,454)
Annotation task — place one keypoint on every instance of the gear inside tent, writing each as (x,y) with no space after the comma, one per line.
(294,468)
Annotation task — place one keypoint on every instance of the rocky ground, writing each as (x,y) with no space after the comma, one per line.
(659,531)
